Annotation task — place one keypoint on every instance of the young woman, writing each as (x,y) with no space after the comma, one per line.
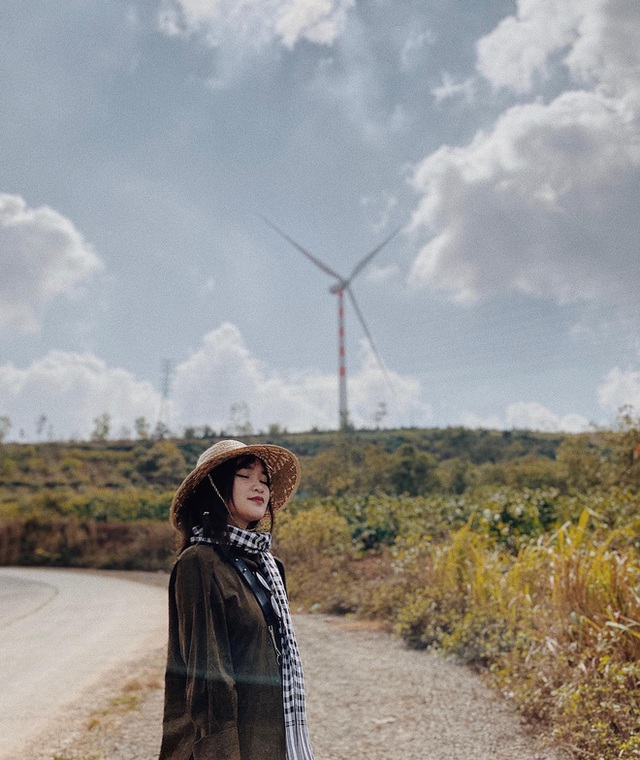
(234,688)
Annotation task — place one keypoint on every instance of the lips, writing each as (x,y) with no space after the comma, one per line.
(257,500)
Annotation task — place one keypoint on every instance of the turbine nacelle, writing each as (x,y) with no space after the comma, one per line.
(335,289)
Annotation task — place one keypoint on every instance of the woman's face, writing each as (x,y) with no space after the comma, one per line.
(250,495)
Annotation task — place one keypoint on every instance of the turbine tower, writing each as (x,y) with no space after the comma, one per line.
(341,286)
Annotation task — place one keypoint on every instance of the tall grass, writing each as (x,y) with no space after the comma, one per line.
(577,663)
(555,621)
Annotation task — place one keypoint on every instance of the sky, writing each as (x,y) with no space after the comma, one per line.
(142,143)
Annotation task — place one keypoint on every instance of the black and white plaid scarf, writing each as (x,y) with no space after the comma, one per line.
(295,714)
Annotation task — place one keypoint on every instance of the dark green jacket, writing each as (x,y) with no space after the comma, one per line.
(223,690)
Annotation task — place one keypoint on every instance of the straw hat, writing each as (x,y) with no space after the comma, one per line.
(282,466)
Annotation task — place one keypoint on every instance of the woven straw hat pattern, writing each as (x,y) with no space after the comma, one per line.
(281,464)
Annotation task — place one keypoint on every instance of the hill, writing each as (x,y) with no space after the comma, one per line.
(149,462)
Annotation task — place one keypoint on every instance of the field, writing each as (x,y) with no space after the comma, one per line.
(516,552)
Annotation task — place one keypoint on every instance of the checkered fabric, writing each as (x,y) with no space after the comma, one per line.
(295,714)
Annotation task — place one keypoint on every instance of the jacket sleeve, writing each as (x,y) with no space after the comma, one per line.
(200,692)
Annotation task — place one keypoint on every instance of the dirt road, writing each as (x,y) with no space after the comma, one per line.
(368,697)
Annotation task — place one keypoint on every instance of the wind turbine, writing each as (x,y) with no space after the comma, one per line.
(341,286)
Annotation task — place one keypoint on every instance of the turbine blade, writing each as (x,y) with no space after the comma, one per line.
(363,262)
(302,250)
(356,308)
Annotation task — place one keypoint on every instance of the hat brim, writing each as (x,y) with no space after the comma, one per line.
(282,466)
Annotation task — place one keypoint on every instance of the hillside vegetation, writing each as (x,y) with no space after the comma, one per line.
(516,551)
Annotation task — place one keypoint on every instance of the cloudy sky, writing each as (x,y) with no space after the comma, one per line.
(142,140)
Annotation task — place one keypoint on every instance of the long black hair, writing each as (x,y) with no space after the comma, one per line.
(206,509)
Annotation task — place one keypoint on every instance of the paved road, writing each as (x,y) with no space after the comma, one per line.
(60,631)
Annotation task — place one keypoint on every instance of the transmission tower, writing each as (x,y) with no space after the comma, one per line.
(162,425)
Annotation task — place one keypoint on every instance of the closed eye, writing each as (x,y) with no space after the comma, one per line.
(246,477)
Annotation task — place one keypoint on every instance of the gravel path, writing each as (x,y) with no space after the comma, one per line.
(368,697)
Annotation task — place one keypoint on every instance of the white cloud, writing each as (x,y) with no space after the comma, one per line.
(382,274)
(223,372)
(529,415)
(546,202)
(516,53)
(597,41)
(42,256)
(319,21)
(72,390)
(257,23)
(476,421)
(353,81)
(368,388)
(452,89)
(412,52)
(381,208)
(620,388)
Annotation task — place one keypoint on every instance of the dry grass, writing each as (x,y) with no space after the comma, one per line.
(129,700)
(557,624)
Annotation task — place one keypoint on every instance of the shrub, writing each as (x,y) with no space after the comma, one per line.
(315,545)
(69,542)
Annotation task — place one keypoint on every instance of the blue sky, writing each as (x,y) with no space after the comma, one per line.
(141,141)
